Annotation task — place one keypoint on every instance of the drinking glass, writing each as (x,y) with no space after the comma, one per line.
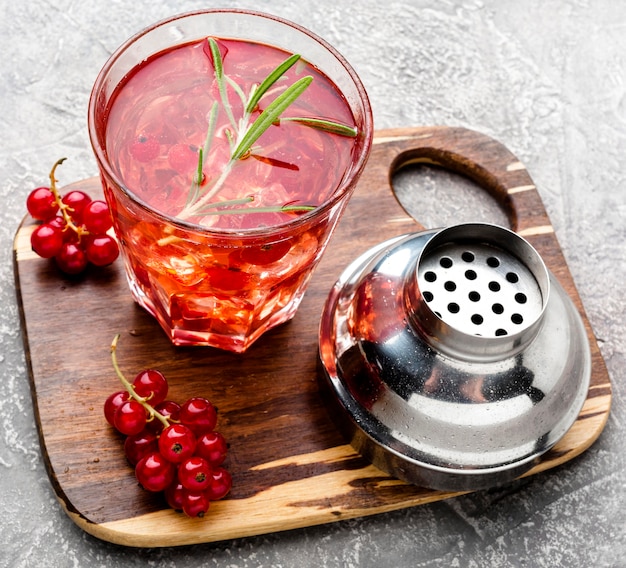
(216,285)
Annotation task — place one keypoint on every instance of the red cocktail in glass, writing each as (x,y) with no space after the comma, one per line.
(224,190)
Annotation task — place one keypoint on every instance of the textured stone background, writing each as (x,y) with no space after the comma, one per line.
(547,78)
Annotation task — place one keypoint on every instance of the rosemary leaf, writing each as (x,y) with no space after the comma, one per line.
(218,66)
(197,178)
(297,208)
(236,88)
(208,141)
(256,94)
(228,203)
(230,138)
(270,209)
(270,115)
(325,125)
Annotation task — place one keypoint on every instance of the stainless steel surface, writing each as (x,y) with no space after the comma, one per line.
(433,393)
(547,79)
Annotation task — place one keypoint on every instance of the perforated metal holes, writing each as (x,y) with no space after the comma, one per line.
(479,289)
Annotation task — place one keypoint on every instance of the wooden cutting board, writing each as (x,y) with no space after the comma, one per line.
(290,466)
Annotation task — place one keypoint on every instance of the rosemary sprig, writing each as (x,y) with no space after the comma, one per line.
(244,133)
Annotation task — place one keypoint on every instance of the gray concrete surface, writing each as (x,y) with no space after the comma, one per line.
(547,78)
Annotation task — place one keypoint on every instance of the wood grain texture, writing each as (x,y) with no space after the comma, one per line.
(290,466)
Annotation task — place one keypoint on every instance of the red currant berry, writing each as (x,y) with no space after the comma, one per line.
(220,484)
(130,418)
(151,385)
(167,408)
(227,279)
(195,503)
(154,472)
(199,414)
(140,445)
(212,447)
(195,473)
(71,259)
(76,201)
(145,148)
(177,443)
(41,204)
(182,158)
(59,223)
(266,254)
(174,495)
(96,217)
(112,403)
(101,250)
(47,240)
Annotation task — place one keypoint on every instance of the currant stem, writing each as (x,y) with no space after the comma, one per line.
(62,206)
(131,390)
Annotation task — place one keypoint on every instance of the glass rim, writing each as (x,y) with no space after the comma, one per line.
(350,177)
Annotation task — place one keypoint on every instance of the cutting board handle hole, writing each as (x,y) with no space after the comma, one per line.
(437,197)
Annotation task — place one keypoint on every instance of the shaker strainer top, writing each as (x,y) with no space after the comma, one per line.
(479,289)
(487,287)
(453,359)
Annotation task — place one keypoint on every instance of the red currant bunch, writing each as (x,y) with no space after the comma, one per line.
(173,448)
(74,228)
